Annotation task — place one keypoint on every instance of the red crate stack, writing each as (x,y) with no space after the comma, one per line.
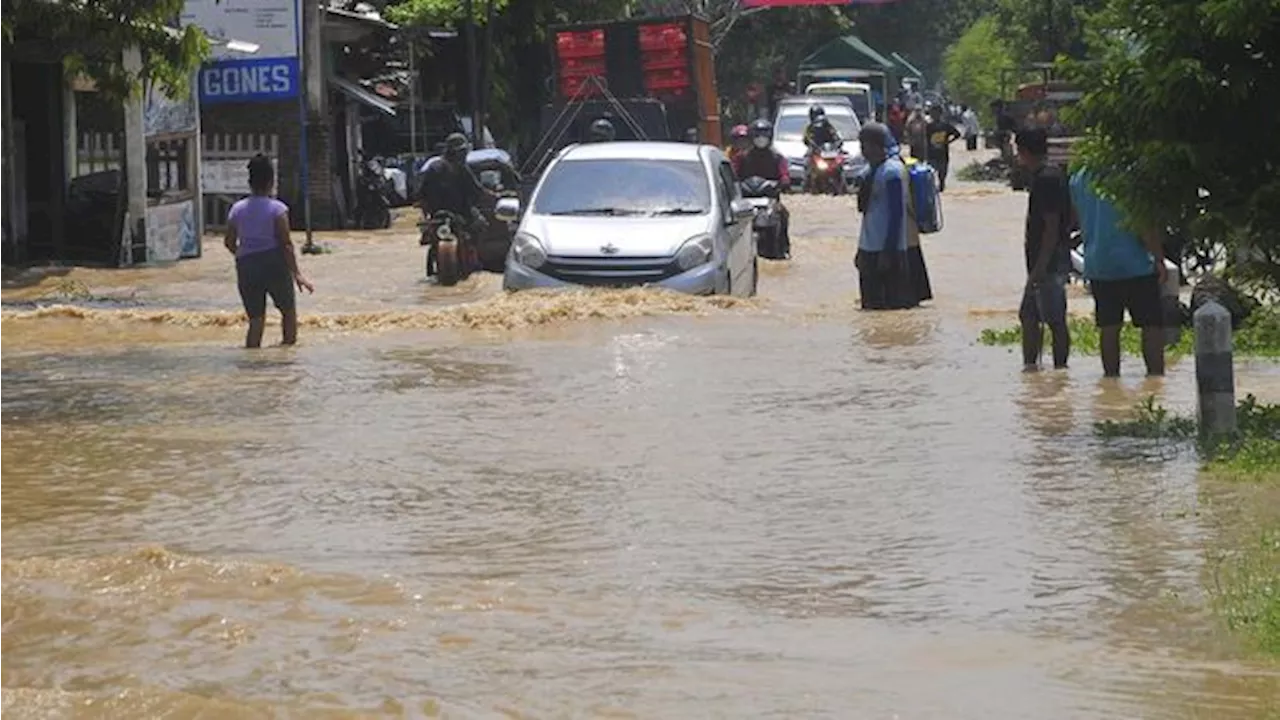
(581,55)
(664,55)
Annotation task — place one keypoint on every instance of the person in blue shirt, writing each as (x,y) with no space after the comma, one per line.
(884,276)
(1124,273)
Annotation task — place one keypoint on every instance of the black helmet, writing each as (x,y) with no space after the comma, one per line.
(602,131)
(762,128)
(816,112)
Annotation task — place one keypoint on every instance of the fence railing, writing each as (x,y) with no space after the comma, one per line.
(224,173)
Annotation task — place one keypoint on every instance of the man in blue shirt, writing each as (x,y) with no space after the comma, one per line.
(1124,273)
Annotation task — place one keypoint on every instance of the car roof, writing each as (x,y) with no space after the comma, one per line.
(634,150)
(830,108)
(806,100)
(836,85)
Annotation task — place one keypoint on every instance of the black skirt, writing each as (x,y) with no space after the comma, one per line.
(919,274)
(885,283)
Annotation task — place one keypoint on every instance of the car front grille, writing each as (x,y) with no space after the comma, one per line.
(610,272)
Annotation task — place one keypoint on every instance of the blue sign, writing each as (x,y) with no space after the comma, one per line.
(249,80)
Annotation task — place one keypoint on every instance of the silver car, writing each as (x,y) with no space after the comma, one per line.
(630,213)
(788,136)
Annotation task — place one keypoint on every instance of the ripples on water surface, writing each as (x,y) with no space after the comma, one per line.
(782,508)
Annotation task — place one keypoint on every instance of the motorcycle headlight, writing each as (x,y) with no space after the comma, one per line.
(822,164)
(695,252)
(527,251)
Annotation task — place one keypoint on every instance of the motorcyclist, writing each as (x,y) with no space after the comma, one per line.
(602,131)
(820,131)
(739,142)
(763,161)
(449,185)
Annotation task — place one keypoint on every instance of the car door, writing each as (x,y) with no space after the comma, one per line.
(736,234)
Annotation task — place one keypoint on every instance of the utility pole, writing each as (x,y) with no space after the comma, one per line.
(473,73)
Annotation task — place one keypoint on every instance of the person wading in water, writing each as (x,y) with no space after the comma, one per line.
(1044,298)
(266,264)
(884,278)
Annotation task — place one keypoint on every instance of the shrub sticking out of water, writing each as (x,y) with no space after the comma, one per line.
(994,170)
(1255,449)
(1151,420)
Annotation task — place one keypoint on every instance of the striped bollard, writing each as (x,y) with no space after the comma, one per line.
(1215,376)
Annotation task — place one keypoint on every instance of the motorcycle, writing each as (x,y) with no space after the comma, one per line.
(826,170)
(451,256)
(497,173)
(767,223)
(372,210)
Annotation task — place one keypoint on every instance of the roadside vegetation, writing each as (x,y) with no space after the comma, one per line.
(1245,586)
(1258,336)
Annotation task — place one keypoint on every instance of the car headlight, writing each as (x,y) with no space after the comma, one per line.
(526,250)
(695,252)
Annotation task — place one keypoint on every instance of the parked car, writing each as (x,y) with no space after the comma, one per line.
(632,213)
(793,118)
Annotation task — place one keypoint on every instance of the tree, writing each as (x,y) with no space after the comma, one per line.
(971,67)
(93,35)
(1178,122)
(1041,30)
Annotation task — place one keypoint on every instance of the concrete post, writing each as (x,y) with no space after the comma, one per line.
(1215,376)
(135,165)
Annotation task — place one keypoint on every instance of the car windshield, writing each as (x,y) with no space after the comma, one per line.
(625,187)
(791,126)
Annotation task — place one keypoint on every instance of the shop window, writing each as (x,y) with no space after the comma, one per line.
(168,168)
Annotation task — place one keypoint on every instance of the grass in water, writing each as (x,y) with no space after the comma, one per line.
(1246,588)
(1246,592)
(1259,336)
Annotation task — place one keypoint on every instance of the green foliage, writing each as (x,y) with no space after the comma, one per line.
(1174,106)
(1259,336)
(439,13)
(1084,338)
(971,66)
(94,35)
(1150,421)
(1041,30)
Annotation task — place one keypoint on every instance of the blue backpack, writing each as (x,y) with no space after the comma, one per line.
(926,202)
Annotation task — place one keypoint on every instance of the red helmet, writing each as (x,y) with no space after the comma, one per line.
(739,132)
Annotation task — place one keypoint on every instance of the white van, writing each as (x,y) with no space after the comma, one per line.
(859,95)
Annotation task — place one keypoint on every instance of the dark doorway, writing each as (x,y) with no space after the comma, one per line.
(37,109)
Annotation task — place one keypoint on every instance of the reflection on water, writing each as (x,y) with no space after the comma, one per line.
(749,513)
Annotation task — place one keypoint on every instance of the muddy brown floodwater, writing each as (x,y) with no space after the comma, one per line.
(604,504)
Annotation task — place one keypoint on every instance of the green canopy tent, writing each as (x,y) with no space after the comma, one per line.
(907,69)
(852,59)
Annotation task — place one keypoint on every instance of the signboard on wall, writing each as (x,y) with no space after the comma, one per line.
(225,177)
(171,231)
(163,115)
(272,73)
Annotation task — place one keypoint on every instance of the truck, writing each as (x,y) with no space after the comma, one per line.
(1039,103)
(653,77)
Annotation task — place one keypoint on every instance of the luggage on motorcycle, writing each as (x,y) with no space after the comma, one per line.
(926,201)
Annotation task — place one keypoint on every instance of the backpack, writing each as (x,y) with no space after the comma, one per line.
(925,203)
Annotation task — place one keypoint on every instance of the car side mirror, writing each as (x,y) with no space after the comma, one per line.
(741,209)
(507,209)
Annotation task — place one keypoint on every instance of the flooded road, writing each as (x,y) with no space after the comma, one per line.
(595,504)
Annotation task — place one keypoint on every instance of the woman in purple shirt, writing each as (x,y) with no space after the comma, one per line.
(258,235)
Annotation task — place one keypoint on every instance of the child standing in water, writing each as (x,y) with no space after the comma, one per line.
(266,264)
